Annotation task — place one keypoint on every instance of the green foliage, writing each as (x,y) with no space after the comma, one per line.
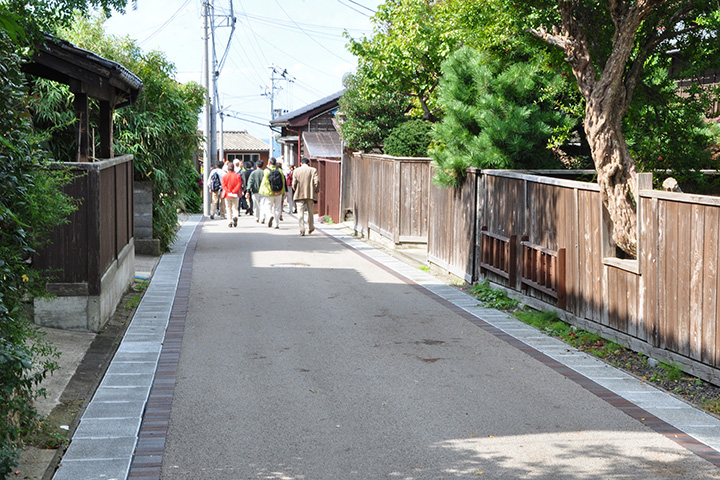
(368,114)
(666,130)
(160,129)
(497,115)
(32,205)
(411,38)
(409,139)
(670,371)
(34,16)
(491,297)
(548,322)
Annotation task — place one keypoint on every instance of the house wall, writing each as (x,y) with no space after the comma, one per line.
(322,123)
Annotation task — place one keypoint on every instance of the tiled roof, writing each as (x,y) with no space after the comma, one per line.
(242,141)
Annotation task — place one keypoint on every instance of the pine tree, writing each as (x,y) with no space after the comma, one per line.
(496,116)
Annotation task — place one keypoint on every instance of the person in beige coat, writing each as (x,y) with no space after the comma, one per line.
(306,185)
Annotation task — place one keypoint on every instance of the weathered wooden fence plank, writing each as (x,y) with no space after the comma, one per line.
(709,300)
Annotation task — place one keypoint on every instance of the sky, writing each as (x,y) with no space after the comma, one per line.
(302,37)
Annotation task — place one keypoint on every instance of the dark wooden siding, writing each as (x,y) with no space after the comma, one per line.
(329,173)
(81,251)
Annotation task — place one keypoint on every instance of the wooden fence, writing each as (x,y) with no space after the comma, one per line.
(550,238)
(388,196)
(92,255)
(453,227)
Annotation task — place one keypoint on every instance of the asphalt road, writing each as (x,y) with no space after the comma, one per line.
(303,360)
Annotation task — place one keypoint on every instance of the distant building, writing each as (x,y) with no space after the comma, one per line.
(314,124)
(243,146)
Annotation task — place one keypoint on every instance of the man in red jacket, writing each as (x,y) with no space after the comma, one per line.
(231,184)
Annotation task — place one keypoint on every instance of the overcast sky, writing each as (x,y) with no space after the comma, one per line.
(303,37)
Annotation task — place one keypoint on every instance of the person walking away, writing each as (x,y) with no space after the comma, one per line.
(253,187)
(215,187)
(306,185)
(232,183)
(279,164)
(288,184)
(273,189)
(245,175)
(239,167)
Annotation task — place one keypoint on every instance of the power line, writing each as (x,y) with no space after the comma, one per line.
(321,29)
(167,22)
(363,6)
(308,35)
(353,8)
(238,117)
(255,37)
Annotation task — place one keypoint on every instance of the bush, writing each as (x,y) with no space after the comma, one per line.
(409,139)
(31,205)
(369,116)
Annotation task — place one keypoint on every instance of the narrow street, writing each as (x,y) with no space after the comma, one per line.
(302,358)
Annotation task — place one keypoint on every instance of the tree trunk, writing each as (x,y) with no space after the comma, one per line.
(607,99)
(617,175)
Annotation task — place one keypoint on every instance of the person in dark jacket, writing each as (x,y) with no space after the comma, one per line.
(249,167)
(253,188)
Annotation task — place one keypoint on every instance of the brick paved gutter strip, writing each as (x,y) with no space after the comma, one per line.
(689,427)
(147,461)
(104,442)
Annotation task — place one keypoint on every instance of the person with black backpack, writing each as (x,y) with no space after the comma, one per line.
(217,206)
(273,188)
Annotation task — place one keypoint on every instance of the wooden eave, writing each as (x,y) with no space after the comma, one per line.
(84,72)
(89,76)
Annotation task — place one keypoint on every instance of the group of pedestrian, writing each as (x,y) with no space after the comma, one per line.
(260,190)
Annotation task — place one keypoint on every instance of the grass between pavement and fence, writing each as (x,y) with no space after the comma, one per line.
(666,375)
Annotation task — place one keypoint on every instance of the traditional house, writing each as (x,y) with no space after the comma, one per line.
(238,144)
(92,257)
(310,129)
(243,146)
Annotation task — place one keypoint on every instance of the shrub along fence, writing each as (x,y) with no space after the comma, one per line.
(547,235)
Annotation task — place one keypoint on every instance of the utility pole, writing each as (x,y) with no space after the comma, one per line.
(209,136)
(276,74)
(211,88)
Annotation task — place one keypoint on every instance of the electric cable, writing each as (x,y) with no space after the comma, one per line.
(308,35)
(167,22)
(353,8)
(363,6)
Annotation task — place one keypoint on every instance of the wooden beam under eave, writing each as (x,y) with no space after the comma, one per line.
(106,130)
